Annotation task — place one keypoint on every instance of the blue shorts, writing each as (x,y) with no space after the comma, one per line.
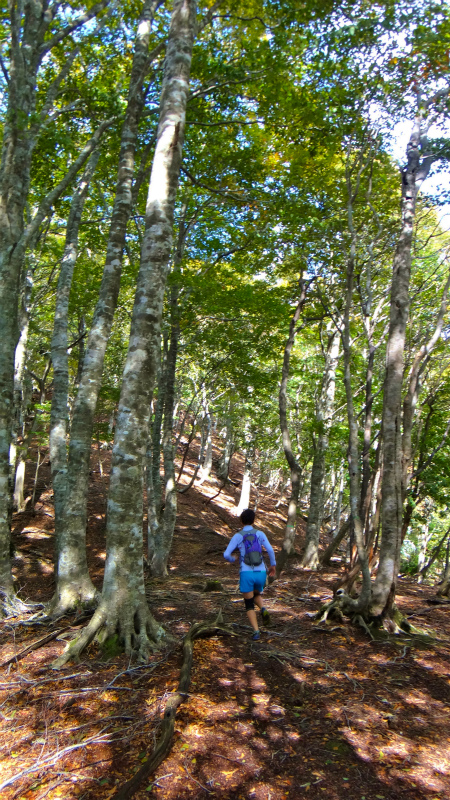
(252,581)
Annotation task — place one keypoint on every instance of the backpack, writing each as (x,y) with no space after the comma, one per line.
(253,553)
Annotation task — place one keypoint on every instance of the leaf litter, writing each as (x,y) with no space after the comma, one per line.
(297,714)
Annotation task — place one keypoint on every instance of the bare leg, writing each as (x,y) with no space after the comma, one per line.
(251,613)
(258,601)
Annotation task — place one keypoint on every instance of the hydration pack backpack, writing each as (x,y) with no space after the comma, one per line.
(253,553)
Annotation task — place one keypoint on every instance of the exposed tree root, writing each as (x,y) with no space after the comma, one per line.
(12,606)
(136,627)
(396,624)
(164,744)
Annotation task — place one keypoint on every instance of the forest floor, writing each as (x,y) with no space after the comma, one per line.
(308,711)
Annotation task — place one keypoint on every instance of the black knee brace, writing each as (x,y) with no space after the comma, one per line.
(249,604)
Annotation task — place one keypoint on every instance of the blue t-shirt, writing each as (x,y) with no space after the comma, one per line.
(237,542)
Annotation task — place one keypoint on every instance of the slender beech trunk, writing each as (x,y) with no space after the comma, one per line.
(81,352)
(424,538)
(21,397)
(59,355)
(223,467)
(444,588)
(244,499)
(323,418)
(413,175)
(73,581)
(433,557)
(207,463)
(353,444)
(337,514)
(201,453)
(29,26)
(161,556)
(334,544)
(206,439)
(123,606)
(366,470)
(294,466)
(421,359)
(161,553)
(154,488)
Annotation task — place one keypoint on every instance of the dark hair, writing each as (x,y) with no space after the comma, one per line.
(248,516)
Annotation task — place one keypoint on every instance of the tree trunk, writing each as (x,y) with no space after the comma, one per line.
(161,553)
(353,444)
(424,538)
(294,466)
(73,581)
(334,544)
(123,607)
(323,418)
(384,588)
(27,33)
(223,467)
(444,588)
(337,514)
(21,396)
(59,355)
(434,555)
(206,466)
(161,556)
(246,488)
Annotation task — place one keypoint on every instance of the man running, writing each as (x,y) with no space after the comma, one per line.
(249,541)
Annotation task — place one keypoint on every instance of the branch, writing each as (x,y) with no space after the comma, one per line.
(436,97)
(204,91)
(221,192)
(225,122)
(47,203)
(51,759)
(164,744)
(77,23)
(434,554)
(4,70)
(209,16)
(427,463)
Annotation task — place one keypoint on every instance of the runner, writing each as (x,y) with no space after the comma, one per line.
(250,541)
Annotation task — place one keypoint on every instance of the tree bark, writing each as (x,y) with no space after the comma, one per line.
(409,406)
(353,444)
(123,607)
(206,466)
(244,499)
(334,544)
(294,466)
(73,581)
(223,467)
(324,417)
(29,27)
(59,355)
(434,555)
(161,554)
(413,175)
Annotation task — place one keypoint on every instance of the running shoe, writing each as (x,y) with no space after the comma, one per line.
(265,616)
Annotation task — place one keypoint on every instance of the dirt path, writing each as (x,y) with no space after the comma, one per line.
(305,712)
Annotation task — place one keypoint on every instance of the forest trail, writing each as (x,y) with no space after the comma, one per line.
(308,711)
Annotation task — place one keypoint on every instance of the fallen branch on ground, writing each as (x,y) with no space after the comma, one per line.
(34,646)
(50,760)
(164,744)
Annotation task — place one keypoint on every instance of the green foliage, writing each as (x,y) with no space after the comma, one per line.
(286,100)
